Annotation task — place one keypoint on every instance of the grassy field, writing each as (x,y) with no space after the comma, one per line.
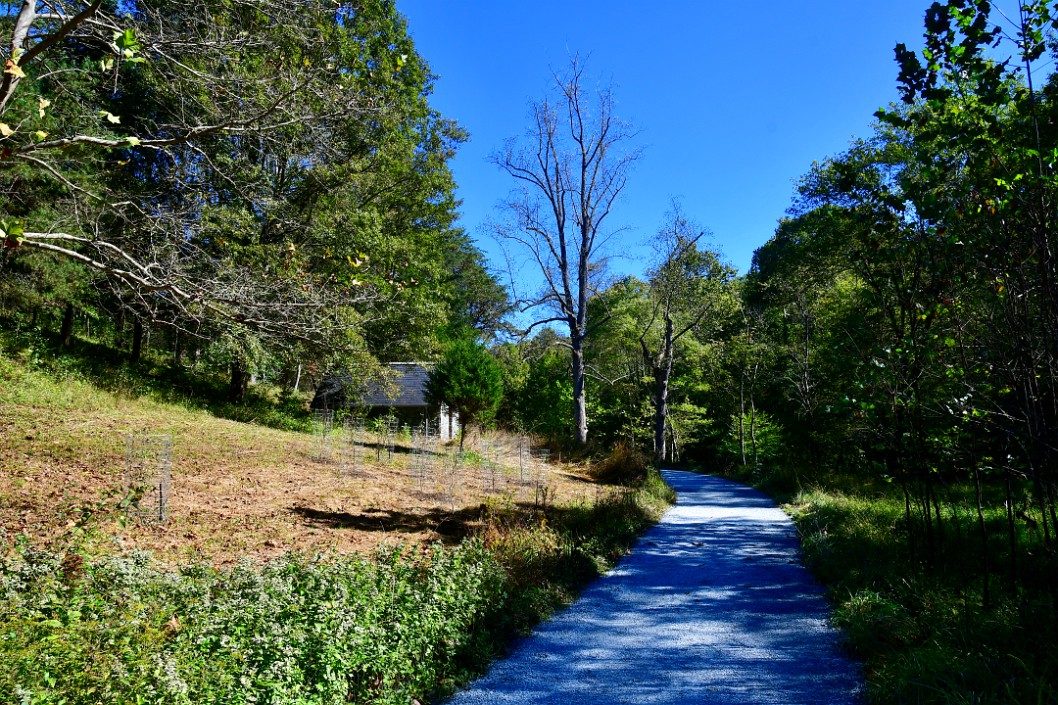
(238,489)
(278,577)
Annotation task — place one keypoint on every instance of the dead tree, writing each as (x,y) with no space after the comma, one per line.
(569,172)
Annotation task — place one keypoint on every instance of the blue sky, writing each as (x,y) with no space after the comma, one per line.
(733,101)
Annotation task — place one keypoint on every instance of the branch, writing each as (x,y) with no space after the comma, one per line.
(26,17)
(556,319)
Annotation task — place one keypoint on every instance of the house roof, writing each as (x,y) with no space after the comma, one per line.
(408,389)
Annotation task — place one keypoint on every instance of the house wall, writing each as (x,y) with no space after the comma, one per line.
(449,423)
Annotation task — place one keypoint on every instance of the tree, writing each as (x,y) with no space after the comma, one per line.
(981,136)
(687,285)
(568,175)
(191,152)
(618,407)
(468,380)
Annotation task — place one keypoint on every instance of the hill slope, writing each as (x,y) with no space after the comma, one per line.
(238,489)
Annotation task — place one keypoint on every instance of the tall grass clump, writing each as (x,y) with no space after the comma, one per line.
(931,635)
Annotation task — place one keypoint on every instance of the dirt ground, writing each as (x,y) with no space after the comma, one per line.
(239,490)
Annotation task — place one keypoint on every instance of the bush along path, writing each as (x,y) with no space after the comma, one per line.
(712,606)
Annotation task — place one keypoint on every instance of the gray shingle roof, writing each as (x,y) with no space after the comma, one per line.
(410,386)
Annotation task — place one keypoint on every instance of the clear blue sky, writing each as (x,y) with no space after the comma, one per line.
(733,100)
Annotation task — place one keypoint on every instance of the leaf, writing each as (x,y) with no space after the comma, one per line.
(12,228)
(40,135)
(125,43)
(14,69)
(111,117)
(42,104)
(6,130)
(133,141)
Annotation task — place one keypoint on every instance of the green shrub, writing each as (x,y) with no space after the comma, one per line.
(298,630)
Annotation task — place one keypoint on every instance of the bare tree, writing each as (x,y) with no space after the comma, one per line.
(569,172)
(687,285)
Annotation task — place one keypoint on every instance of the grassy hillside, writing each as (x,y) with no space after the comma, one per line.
(278,577)
(239,489)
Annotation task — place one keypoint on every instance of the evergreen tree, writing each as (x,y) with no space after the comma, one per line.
(468,380)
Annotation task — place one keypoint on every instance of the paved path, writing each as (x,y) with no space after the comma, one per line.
(712,607)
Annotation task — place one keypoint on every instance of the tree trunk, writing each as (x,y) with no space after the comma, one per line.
(179,350)
(1012,534)
(742,416)
(983,528)
(136,354)
(240,381)
(661,414)
(753,422)
(580,410)
(66,332)
(662,369)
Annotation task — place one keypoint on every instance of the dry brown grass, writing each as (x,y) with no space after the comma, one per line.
(238,490)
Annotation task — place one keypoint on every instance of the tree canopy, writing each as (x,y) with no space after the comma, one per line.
(265,173)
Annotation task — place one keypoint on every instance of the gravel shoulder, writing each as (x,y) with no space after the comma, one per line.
(711,607)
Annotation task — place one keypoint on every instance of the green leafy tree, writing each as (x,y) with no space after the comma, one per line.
(468,380)
(620,411)
(689,293)
(203,155)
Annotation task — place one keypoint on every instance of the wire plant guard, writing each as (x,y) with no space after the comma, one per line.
(323,427)
(148,476)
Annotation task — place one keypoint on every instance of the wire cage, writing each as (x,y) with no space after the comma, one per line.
(148,476)
(323,428)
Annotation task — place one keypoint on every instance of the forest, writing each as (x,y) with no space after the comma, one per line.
(253,194)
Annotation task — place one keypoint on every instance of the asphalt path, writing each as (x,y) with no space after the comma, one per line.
(711,607)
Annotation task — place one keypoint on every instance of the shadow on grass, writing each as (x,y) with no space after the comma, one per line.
(451,526)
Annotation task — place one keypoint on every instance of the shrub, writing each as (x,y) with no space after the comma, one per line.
(298,630)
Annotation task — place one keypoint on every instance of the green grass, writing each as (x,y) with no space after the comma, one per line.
(110,371)
(926,636)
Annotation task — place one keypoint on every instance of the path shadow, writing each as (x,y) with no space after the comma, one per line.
(712,607)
